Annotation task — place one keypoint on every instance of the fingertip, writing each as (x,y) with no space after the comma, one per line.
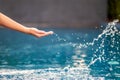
(51,32)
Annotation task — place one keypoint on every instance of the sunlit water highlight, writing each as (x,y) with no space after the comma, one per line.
(102,53)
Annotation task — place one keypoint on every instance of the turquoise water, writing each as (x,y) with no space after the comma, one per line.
(69,54)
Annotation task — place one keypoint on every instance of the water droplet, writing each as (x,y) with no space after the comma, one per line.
(113,62)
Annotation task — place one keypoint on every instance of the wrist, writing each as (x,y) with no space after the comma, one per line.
(27,30)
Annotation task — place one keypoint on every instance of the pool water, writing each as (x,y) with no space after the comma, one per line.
(68,54)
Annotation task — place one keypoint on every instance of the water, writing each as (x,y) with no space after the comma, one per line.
(69,54)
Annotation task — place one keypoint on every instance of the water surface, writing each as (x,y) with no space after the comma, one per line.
(69,54)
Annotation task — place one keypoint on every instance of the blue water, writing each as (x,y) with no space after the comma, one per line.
(68,54)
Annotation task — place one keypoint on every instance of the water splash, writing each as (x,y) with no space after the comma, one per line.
(109,32)
(105,52)
(98,45)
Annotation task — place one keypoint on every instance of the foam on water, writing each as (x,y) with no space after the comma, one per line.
(106,44)
(66,73)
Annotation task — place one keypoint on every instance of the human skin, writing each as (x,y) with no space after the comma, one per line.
(11,24)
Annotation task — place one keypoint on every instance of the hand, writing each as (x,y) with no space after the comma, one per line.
(38,33)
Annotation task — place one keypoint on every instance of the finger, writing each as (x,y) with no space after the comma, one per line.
(50,32)
(47,33)
(42,35)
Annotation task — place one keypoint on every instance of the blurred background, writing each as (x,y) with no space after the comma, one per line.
(61,13)
(113,9)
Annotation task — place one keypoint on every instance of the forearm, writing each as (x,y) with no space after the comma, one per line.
(9,23)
